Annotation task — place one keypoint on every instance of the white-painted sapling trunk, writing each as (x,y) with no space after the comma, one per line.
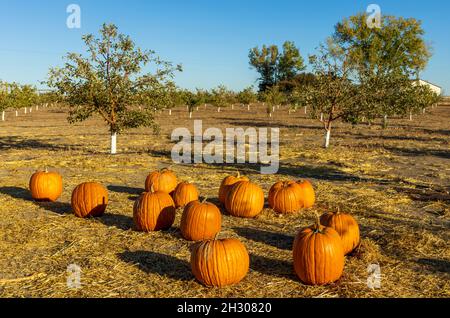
(37,107)
(170,112)
(25,110)
(31,109)
(321,116)
(410,116)
(17,113)
(113,143)
(218,109)
(190,114)
(306,109)
(3,115)
(248,107)
(327,138)
(232,106)
(197,108)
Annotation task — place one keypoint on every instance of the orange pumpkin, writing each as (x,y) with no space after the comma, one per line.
(89,200)
(200,221)
(318,255)
(245,199)
(346,226)
(219,263)
(45,186)
(184,193)
(154,211)
(163,180)
(285,197)
(227,184)
(308,197)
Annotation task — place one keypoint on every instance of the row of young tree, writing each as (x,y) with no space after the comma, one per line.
(16,97)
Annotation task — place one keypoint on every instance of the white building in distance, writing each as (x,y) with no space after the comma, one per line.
(433,87)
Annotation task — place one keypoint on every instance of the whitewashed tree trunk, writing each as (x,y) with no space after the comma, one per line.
(170,112)
(273,109)
(218,109)
(306,109)
(327,138)
(37,107)
(410,116)
(270,115)
(278,106)
(321,116)
(3,115)
(17,113)
(24,110)
(113,143)
(424,110)
(205,106)
(248,107)
(31,109)
(289,111)
(190,114)
(232,106)
(197,108)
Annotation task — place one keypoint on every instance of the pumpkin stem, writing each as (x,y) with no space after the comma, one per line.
(216,236)
(338,210)
(46,169)
(317,225)
(238,174)
(152,189)
(204,199)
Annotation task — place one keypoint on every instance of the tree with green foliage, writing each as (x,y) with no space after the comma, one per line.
(109,81)
(274,65)
(247,97)
(221,97)
(382,59)
(332,94)
(5,99)
(272,98)
(193,100)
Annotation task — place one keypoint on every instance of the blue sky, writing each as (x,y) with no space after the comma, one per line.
(210,38)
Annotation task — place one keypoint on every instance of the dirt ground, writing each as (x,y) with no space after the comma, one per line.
(394,181)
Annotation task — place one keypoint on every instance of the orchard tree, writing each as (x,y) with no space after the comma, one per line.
(332,95)
(5,98)
(398,46)
(221,97)
(193,99)
(272,98)
(247,97)
(23,96)
(275,66)
(109,81)
(384,60)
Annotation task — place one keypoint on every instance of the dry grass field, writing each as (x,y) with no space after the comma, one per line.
(394,181)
